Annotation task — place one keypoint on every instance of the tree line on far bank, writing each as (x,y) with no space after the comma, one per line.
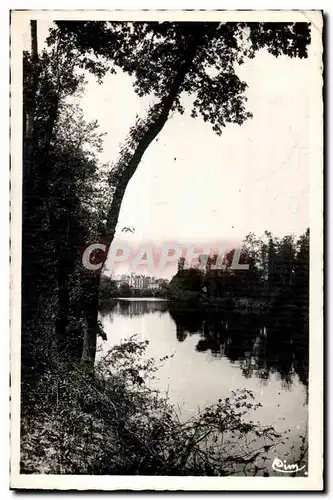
(110,290)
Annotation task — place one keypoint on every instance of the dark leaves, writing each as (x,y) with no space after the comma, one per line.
(153,53)
(291,39)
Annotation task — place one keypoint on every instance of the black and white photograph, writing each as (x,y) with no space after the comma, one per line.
(167,250)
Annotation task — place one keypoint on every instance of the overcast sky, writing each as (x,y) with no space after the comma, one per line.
(252,178)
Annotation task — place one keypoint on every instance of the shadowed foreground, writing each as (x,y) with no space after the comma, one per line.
(112,423)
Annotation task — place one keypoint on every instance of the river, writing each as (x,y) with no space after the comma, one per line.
(214,354)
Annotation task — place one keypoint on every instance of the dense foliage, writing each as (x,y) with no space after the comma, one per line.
(71,200)
(196,58)
(115,424)
(278,271)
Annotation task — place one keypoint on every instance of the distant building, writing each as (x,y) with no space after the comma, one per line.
(139,281)
(152,283)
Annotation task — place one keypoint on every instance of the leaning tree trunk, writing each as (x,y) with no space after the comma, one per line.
(157,117)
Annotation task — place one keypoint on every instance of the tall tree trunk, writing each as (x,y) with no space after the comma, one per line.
(63,305)
(35,211)
(157,117)
(66,264)
(90,313)
(30,266)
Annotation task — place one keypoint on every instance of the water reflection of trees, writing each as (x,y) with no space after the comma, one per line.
(260,346)
(136,308)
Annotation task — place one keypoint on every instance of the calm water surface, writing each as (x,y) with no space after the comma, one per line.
(214,354)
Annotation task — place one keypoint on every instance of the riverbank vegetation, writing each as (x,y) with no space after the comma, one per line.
(113,423)
(277,277)
(78,417)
